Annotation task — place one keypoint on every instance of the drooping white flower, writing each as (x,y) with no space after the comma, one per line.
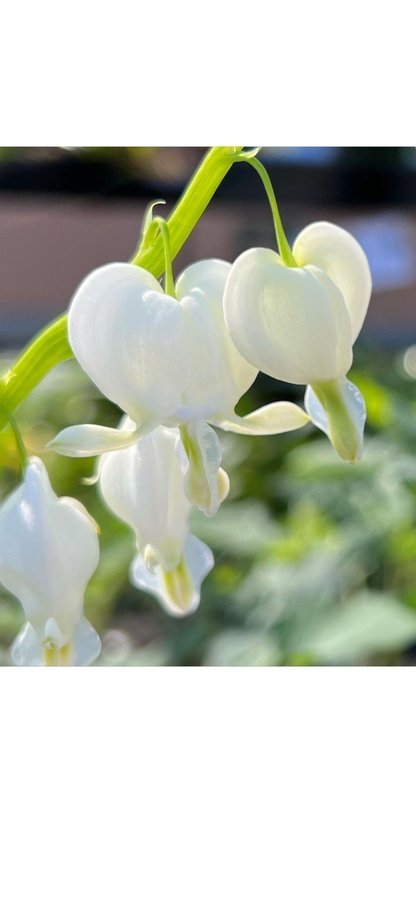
(166,361)
(144,486)
(299,324)
(48,551)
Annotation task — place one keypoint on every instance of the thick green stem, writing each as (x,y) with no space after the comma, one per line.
(187,212)
(48,348)
(51,346)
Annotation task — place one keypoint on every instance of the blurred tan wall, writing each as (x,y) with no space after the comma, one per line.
(48,245)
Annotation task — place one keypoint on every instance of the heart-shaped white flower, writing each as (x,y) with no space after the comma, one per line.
(299,324)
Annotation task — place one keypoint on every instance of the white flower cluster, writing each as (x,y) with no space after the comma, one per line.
(177,366)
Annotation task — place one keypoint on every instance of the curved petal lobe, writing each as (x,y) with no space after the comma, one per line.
(92,440)
(218,375)
(128,337)
(338,253)
(275,418)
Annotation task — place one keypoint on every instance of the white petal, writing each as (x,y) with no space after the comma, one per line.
(204,481)
(275,418)
(86,643)
(128,337)
(48,551)
(143,486)
(27,649)
(217,373)
(92,440)
(339,254)
(52,634)
(291,323)
(345,431)
(178,595)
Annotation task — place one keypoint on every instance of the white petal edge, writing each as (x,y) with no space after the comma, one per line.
(275,418)
(199,560)
(92,440)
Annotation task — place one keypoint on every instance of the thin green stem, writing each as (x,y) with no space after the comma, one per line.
(20,446)
(51,346)
(169,279)
(282,242)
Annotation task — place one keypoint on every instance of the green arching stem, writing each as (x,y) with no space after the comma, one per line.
(282,242)
(169,279)
(47,349)
(51,346)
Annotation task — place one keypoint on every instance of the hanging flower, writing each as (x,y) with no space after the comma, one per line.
(48,551)
(166,361)
(144,486)
(298,323)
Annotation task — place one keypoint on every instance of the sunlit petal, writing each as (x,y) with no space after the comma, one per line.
(336,252)
(128,336)
(92,440)
(291,323)
(275,418)
(217,373)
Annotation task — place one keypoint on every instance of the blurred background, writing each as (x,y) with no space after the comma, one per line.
(315,559)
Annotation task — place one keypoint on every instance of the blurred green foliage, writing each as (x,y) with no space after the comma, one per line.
(315,559)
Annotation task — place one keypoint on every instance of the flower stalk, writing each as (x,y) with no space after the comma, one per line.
(282,241)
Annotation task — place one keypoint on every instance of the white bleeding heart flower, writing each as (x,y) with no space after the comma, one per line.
(144,486)
(48,551)
(298,324)
(166,361)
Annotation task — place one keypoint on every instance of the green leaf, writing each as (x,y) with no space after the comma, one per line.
(368,623)
(237,648)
